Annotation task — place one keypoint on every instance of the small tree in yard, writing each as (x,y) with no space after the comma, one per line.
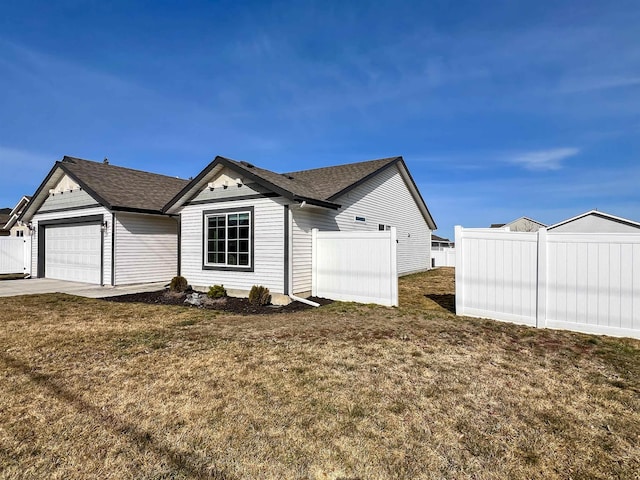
(217,291)
(259,295)
(178,284)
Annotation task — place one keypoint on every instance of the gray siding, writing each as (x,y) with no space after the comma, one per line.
(268,244)
(384,199)
(73,214)
(146,248)
(595,224)
(230,192)
(67,200)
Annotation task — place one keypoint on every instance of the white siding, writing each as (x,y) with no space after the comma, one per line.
(383,199)
(106,279)
(594,224)
(72,199)
(268,246)
(146,248)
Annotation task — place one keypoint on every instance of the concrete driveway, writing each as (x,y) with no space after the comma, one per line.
(29,286)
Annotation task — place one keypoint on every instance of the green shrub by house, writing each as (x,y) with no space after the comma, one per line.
(178,284)
(259,295)
(216,291)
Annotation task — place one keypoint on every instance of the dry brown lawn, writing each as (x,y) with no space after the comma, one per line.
(91,389)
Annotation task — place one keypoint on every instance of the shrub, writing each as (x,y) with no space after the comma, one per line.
(216,291)
(178,284)
(259,295)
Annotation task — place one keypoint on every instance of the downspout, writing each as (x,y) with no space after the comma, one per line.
(288,231)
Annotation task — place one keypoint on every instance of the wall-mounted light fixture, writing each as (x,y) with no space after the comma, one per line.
(30,227)
(103,226)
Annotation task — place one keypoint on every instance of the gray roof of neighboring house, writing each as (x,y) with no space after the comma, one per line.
(319,186)
(5,215)
(117,188)
(436,238)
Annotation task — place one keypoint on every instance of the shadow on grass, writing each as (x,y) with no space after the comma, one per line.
(445,300)
(141,439)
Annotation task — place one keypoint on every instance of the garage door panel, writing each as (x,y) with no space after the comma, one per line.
(73,252)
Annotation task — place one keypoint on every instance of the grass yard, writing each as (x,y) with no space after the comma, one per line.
(91,389)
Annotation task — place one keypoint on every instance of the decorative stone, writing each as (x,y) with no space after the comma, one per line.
(194,298)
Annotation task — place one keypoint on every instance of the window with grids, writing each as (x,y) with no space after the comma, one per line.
(228,239)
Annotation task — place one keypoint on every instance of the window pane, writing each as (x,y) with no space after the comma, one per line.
(228,239)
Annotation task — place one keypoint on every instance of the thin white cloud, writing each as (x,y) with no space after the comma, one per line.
(543,160)
(584,85)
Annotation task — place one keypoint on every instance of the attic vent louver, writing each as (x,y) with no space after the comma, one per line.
(247,164)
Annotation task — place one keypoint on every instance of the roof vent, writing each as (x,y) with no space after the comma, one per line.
(106,161)
(287,176)
(247,164)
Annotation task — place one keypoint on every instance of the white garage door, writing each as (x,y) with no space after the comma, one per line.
(72,252)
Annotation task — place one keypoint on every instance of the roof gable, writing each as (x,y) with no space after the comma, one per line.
(598,215)
(116,188)
(320,186)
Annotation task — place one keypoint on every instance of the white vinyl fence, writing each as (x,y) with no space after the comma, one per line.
(356,266)
(587,282)
(445,257)
(15,255)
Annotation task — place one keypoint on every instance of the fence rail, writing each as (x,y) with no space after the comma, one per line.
(355,266)
(587,282)
(15,255)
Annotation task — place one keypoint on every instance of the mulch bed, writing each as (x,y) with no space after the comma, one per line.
(227,304)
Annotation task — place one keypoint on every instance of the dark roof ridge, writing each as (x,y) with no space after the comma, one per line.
(67,158)
(389,159)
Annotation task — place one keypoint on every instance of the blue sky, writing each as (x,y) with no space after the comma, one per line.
(500,109)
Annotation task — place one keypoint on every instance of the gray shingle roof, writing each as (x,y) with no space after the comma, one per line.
(320,184)
(123,188)
(329,182)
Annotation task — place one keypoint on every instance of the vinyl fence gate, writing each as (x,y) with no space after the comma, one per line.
(355,266)
(15,255)
(586,282)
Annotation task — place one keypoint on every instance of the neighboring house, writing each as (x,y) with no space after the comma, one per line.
(98,223)
(522,224)
(439,243)
(242,225)
(16,228)
(443,252)
(595,222)
(5,215)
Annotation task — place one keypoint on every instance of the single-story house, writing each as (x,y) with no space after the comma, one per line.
(241,225)
(522,224)
(98,223)
(594,221)
(12,225)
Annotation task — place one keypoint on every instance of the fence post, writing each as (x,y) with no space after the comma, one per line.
(459,232)
(314,262)
(541,280)
(394,267)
